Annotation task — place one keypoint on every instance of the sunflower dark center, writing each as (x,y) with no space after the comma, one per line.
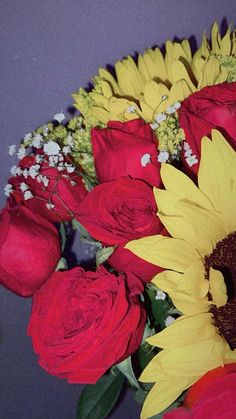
(223,258)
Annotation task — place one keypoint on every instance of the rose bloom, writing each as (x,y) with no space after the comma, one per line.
(119,148)
(213,396)
(118,211)
(211,107)
(122,260)
(57,199)
(82,323)
(29,250)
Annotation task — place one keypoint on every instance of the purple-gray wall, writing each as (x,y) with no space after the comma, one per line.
(48,49)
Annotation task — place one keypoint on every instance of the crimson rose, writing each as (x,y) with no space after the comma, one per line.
(119,148)
(213,396)
(82,323)
(29,250)
(119,211)
(55,193)
(211,107)
(122,260)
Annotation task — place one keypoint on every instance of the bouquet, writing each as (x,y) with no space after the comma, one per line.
(147,175)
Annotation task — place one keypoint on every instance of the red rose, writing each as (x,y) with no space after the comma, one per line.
(213,396)
(118,152)
(211,107)
(119,211)
(55,193)
(122,260)
(82,323)
(29,250)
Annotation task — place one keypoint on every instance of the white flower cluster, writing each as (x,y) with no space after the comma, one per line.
(190,158)
(161,117)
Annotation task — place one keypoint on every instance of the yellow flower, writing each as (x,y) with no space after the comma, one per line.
(147,88)
(202,223)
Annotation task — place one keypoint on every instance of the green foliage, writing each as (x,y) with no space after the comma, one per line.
(126,368)
(97,400)
(103,254)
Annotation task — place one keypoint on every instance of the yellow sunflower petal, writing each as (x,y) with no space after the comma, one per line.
(162,395)
(169,253)
(167,281)
(217,288)
(184,331)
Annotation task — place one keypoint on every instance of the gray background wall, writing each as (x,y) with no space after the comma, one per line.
(48,49)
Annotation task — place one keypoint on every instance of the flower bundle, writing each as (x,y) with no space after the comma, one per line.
(147,174)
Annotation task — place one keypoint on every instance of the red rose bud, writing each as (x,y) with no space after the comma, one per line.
(122,260)
(126,149)
(119,211)
(211,107)
(49,191)
(29,250)
(82,323)
(213,396)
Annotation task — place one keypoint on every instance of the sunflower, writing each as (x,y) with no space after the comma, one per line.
(157,81)
(200,275)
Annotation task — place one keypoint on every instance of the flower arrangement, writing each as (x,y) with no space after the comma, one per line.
(147,175)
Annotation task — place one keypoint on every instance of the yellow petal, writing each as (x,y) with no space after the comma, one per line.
(184,331)
(163,251)
(217,288)
(167,281)
(162,395)
(178,183)
(210,73)
(189,305)
(193,281)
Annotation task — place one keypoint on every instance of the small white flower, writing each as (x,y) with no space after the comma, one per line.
(37,141)
(39,178)
(45,181)
(145,159)
(60,167)
(154,126)
(27,195)
(192,160)
(60,157)
(69,168)
(51,148)
(66,149)
(21,153)
(186,146)
(164,97)
(171,109)
(12,149)
(8,189)
(131,109)
(163,156)
(49,205)
(169,320)
(160,117)
(45,131)
(70,141)
(28,136)
(188,153)
(24,187)
(177,105)
(59,117)
(34,171)
(14,170)
(25,173)
(73,183)
(38,158)
(19,171)
(160,295)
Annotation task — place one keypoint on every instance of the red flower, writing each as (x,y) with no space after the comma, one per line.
(119,148)
(29,250)
(119,211)
(82,323)
(211,107)
(122,260)
(213,396)
(56,193)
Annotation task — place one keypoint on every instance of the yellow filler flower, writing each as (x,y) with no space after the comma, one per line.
(200,275)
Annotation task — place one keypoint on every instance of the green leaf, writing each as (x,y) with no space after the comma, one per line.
(97,400)
(103,254)
(126,368)
(62,264)
(63,236)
